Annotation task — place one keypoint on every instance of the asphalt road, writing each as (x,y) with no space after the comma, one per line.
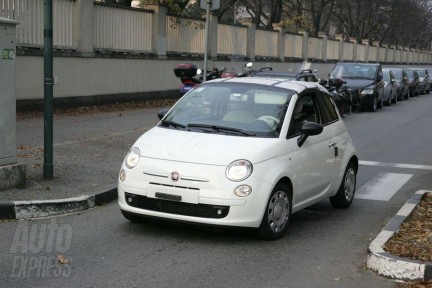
(324,247)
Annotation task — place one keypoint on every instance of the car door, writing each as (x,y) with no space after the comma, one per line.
(380,83)
(313,162)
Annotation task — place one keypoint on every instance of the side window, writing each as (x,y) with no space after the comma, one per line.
(306,110)
(328,109)
(301,78)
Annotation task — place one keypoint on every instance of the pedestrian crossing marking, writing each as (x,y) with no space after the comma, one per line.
(383,186)
(396,165)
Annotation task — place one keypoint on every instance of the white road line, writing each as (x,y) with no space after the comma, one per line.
(383,186)
(396,165)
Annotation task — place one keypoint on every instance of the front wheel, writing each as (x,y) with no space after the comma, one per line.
(277,213)
(373,107)
(345,194)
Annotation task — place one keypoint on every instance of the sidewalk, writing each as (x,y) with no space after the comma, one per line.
(89,147)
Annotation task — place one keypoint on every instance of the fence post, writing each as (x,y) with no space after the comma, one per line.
(250,39)
(339,37)
(83,27)
(305,45)
(213,37)
(280,41)
(354,41)
(377,45)
(366,43)
(324,38)
(159,29)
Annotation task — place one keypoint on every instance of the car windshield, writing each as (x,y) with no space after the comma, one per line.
(354,71)
(410,73)
(421,73)
(397,74)
(231,109)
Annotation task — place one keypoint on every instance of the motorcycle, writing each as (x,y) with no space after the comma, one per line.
(188,76)
(186,72)
(340,94)
(247,71)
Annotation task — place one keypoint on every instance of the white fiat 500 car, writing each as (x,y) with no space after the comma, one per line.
(243,152)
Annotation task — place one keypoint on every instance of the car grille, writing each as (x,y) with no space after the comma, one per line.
(179,208)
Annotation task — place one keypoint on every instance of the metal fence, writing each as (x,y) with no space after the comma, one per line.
(231,40)
(29,14)
(117,29)
(130,30)
(185,36)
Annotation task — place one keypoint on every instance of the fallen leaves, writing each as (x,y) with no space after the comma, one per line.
(61,259)
(100,108)
(414,238)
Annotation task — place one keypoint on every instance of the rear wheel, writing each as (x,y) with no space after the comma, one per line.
(395,99)
(345,194)
(388,101)
(277,213)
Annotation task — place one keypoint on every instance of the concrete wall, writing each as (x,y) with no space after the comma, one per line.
(82,76)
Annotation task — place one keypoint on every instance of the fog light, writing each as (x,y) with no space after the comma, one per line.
(129,199)
(219,211)
(122,175)
(243,190)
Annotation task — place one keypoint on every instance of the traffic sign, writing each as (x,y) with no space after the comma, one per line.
(214,4)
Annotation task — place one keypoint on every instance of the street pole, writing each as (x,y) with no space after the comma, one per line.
(206,39)
(48,167)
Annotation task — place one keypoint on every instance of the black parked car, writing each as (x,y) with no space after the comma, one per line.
(365,81)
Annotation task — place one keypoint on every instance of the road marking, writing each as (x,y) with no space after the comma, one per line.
(396,165)
(383,186)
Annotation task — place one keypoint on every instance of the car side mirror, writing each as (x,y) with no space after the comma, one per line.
(380,77)
(162,113)
(309,129)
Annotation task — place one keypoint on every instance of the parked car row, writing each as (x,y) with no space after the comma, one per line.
(374,86)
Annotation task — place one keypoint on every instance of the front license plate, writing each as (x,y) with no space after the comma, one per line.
(168,196)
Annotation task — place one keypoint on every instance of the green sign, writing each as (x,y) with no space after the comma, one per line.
(7,54)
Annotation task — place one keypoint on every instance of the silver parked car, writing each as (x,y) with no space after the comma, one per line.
(424,87)
(402,83)
(390,87)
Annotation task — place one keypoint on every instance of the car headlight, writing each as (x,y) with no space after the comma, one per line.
(132,158)
(239,170)
(367,91)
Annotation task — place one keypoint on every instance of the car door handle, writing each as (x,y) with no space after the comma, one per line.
(331,144)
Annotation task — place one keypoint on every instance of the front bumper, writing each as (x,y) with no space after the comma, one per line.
(367,99)
(210,203)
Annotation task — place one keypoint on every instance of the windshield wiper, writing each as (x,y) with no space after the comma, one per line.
(218,129)
(174,124)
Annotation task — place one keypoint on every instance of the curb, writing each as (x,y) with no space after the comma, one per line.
(393,266)
(46,208)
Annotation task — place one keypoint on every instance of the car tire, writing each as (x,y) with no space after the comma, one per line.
(346,191)
(373,106)
(131,217)
(380,103)
(277,213)
(388,101)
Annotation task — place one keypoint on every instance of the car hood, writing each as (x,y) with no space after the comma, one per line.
(358,83)
(203,148)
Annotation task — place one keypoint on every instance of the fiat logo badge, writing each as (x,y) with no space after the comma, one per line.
(175,176)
